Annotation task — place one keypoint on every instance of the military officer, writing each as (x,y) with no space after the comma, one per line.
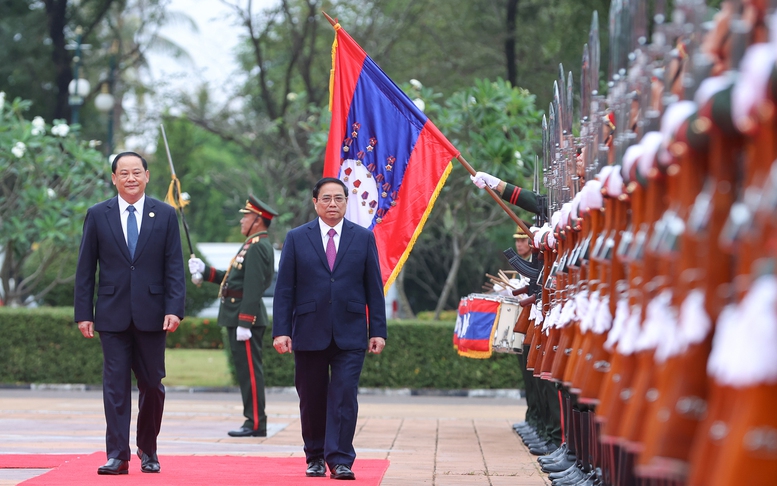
(242,311)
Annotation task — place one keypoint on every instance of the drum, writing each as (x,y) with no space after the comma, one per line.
(505,339)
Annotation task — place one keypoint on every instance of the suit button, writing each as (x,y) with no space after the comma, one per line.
(132,267)
(330,301)
(332,279)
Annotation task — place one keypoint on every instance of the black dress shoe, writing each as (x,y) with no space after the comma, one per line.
(316,468)
(114,467)
(543,449)
(148,463)
(246,432)
(341,471)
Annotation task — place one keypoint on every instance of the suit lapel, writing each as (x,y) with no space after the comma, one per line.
(314,235)
(114,222)
(345,241)
(146,226)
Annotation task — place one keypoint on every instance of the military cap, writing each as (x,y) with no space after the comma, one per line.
(519,233)
(254,205)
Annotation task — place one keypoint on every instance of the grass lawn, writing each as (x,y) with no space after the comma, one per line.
(197,367)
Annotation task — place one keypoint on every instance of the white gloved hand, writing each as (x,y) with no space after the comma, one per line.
(243,333)
(483,179)
(196,265)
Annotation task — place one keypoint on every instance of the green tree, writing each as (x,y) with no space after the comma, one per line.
(48,178)
(496,128)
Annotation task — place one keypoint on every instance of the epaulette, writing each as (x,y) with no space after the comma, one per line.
(255,239)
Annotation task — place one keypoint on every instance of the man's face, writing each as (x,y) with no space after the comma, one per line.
(248,222)
(522,247)
(130,178)
(328,208)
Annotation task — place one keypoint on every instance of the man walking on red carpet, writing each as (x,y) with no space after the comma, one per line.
(140,298)
(329,303)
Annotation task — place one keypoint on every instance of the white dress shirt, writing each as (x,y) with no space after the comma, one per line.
(325,233)
(138,213)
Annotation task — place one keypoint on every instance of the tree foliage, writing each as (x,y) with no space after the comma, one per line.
(48,178)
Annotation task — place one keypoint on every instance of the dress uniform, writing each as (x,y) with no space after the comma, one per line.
(242,311)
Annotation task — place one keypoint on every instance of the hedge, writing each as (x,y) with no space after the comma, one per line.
(45,346)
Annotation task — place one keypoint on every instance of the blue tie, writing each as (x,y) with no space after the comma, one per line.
(132,231)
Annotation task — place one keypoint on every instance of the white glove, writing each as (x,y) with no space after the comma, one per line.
(243,333)
(481,179)
(196,265)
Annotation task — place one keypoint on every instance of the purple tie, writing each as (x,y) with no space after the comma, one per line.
(331,252)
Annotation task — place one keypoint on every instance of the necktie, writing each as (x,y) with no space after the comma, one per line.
(331,252)
(132,231)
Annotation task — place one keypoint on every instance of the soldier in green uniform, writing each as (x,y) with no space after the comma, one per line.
(242,311)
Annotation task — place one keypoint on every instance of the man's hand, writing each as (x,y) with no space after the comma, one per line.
(376,345)
(282,344)
(243,333)
(196,265)
(483,179)
(171,323)
(86,328)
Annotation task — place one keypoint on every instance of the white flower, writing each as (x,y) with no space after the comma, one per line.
(517,155)
(61,130)
(2,99)
(51,193)
(38,126)
(472,101)
(416,84)
(94,143)
(418,102)
(19,149)
(291,96)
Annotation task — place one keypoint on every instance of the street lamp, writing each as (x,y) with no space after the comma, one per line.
(105,101)
(78,88)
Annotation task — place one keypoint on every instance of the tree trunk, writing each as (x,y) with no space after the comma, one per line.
(404,311)
(512,67)
(451,280)
(55,13)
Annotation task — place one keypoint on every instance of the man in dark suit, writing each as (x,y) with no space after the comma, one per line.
(140,298)
(329,308)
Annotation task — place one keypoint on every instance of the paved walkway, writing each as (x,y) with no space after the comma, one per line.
(428,440)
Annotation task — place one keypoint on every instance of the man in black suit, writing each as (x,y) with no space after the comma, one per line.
(329,309)
(140,298)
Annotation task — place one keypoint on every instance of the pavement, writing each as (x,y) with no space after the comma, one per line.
(434,440)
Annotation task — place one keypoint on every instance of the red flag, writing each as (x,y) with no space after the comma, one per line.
(393,160)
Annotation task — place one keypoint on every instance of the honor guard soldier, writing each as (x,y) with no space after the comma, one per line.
(242,311)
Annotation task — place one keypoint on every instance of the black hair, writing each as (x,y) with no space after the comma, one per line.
(327,180)
(266,221)
(122,154)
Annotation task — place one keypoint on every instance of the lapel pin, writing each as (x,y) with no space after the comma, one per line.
(151,215)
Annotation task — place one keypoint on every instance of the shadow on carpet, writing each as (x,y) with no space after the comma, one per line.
(196,470)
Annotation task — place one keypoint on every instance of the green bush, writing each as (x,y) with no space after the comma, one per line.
(45,346)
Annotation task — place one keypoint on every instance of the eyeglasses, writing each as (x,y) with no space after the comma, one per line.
(328,199)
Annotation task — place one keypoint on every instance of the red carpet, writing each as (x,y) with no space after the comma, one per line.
(33,461)
(206,470)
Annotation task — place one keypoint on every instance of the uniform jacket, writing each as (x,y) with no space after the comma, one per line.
(140,290)
(314,305)
(250,274)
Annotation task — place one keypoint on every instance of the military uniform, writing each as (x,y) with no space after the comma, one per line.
(242,285)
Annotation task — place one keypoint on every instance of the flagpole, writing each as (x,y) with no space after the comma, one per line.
(498,200)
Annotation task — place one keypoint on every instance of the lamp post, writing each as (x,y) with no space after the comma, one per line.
(105,102)
(78,88)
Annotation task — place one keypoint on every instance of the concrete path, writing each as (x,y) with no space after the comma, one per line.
(437,441)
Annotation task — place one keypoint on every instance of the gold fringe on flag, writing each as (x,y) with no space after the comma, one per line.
(418,228)
(175,188)
(332,71)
